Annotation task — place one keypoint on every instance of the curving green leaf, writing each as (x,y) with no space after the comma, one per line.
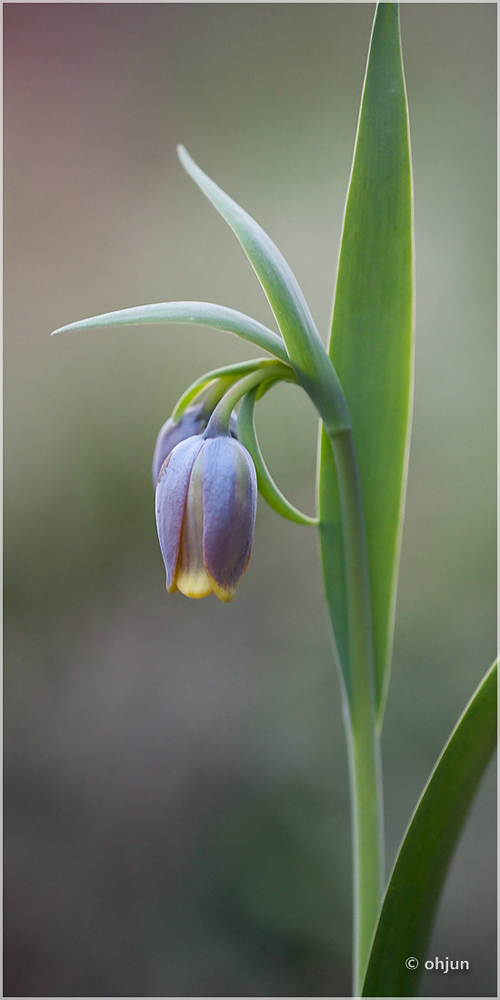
(307,355)
(410,902)
(371,337)
(198,313)
(267,487)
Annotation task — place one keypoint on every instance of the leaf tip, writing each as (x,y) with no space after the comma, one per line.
(183,155)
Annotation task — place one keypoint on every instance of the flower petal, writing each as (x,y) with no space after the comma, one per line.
(170,501)
(229,508)
(193,583)
(191,576)
(193,421)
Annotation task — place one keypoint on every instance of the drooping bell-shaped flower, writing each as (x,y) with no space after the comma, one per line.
(206,501)
(193,421)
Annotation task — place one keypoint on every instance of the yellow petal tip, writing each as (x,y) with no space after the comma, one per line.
(194,583)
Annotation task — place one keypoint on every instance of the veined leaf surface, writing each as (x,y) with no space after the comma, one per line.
(199,313)
(372,335)
(306,352)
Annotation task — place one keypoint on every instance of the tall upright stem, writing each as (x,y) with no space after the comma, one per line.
(360,709)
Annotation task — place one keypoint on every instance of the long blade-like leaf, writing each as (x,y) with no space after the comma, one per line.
(371,339)
(199,313)
(407,914)
(307,355)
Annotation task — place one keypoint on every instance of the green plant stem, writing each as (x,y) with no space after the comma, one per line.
(360,708)
(269,370)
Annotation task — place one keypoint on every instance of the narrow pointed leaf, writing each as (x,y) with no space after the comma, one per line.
(371,338)
(198,313)
(410,902)
(305,348)
(267,487)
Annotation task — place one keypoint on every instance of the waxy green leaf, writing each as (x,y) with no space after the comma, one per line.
(197,313)
(307,355)
(371,339)
(410,902)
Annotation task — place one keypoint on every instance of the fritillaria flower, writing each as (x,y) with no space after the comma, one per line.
(206,501)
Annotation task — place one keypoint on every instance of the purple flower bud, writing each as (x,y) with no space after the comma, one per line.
(206,500)
(193,421)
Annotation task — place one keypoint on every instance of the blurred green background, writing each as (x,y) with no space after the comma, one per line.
(176,812)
